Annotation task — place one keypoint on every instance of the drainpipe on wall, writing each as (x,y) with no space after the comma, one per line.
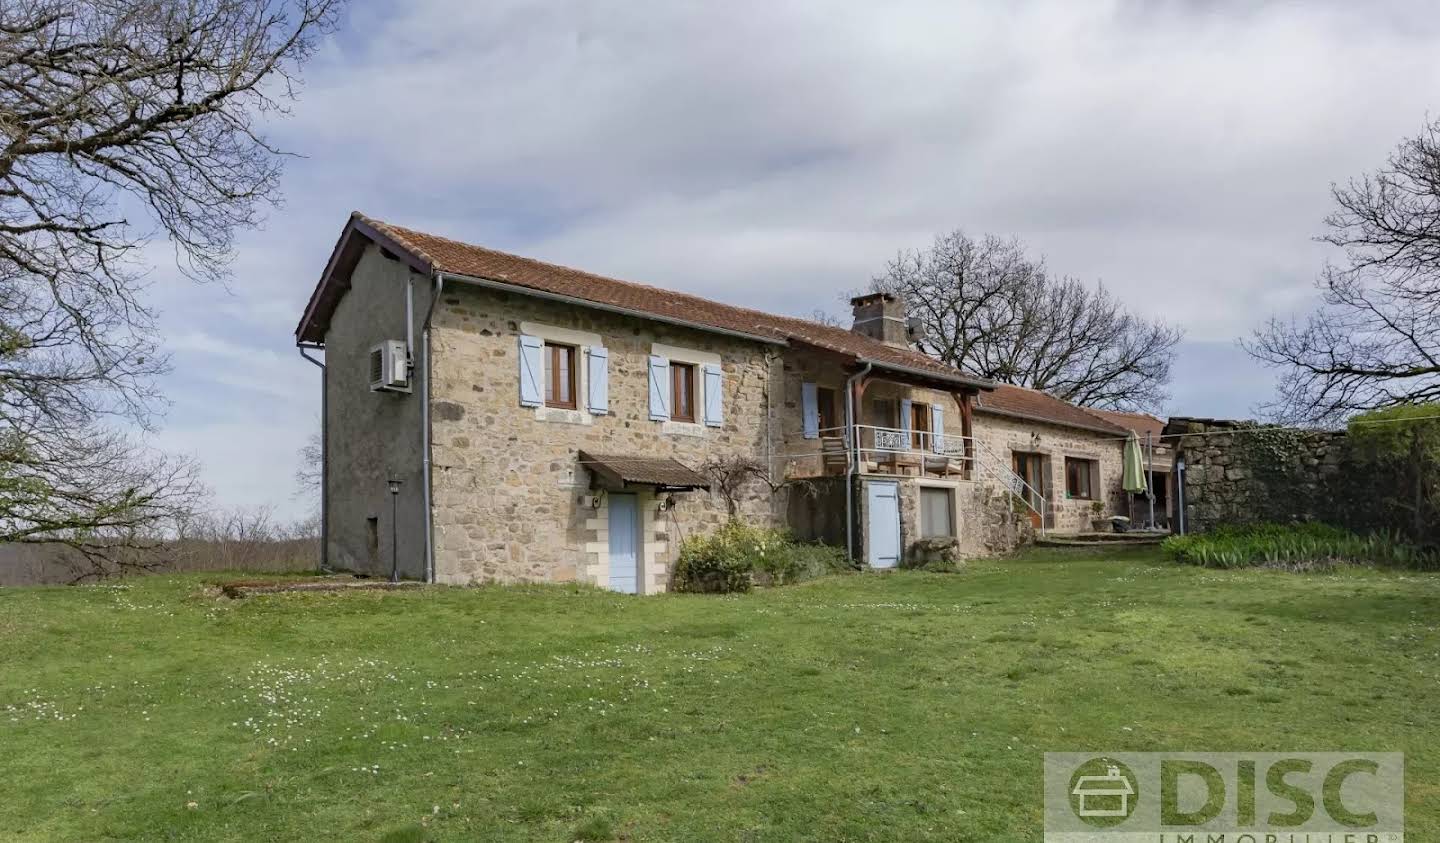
(324,454)
(1180,491)
(423,369)
(770,358)
(851,419)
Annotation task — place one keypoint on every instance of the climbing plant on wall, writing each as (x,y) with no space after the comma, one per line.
(1395,455)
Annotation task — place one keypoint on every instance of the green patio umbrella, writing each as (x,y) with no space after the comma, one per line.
(1134,466)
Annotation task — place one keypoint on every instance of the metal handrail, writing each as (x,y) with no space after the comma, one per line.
(1014,484)
(895,440)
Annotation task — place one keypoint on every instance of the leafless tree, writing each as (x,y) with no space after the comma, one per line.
(1374,341)
(121,121)
(309,473)
(989,308)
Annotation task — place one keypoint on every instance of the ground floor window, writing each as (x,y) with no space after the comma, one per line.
(1080,478)
(937,512)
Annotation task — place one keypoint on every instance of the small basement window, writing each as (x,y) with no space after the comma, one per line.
(1081,478)
(560,376)
(937,512)
(372,540)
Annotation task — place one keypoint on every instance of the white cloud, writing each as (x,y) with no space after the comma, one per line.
(775,154)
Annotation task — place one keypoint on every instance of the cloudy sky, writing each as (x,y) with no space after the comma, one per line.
(775,154)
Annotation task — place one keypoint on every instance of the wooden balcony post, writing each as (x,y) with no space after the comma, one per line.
(854,423)
(967,427)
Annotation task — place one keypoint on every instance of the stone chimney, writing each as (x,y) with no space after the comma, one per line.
(881,316)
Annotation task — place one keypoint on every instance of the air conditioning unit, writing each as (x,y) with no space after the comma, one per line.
(389,367)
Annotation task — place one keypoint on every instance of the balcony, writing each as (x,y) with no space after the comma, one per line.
(889,450)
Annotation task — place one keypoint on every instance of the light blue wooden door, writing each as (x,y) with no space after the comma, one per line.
(624,542)
(883,505)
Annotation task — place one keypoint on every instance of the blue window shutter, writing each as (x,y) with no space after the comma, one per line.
(937,426)
(532,370)
(714,417)
(597,398)
(905,416)
(810,406)
(659,388)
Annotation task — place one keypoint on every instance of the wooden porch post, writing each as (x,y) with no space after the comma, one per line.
(854,423)
(967,428)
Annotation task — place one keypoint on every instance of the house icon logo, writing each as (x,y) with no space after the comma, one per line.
(1103,792)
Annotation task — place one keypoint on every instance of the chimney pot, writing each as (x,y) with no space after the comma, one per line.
(881,316)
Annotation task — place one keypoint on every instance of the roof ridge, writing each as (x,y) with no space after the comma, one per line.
(586,272)
(762,316)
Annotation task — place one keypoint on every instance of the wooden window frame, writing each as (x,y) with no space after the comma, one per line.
(680,371)
(553,382)
(825,410)
(919,425)
(1074,468)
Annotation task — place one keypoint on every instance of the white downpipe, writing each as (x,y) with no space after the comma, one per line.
(852,419)
(424,374)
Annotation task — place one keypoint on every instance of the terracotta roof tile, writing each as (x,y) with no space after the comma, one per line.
(1033,404)
(1141,423)
(451,256)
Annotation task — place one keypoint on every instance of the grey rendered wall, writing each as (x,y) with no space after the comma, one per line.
(373,436)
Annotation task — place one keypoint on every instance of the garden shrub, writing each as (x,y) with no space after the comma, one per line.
(1296,546)
(739,556)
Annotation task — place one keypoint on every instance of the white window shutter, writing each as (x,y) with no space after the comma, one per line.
(937,427)
(532,371)
(810,407)
(713,414)
(659,388)
(597,398)
(905,419)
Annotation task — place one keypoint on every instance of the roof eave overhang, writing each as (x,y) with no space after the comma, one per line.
(1058,423)
(956,380)
(336,277)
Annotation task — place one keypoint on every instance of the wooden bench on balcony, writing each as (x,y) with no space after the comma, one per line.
(834,455)
(943,466)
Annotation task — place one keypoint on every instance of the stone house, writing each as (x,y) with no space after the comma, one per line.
(488,417)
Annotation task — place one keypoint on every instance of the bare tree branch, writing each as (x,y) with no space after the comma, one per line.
(120,122)
(1374,342)
(995,312)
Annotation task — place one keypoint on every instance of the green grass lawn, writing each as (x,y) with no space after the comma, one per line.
(905,706)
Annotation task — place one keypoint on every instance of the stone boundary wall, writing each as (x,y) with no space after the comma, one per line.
(1240,472)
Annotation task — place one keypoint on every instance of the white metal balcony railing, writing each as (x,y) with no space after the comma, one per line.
(925,451)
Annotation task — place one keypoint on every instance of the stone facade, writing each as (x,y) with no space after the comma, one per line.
(512,500)
(1000,437)
(507,478)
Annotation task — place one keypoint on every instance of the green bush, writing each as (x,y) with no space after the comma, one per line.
(1295,545)
(739,556)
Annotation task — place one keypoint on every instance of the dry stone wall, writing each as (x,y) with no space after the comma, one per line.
(1244,473)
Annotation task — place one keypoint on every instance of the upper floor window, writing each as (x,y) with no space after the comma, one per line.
(828,408)
(682,391)
(919,426)
(1079,478)
(560,385)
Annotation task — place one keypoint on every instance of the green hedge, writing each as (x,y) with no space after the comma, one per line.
(738,556)
(1293,545)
